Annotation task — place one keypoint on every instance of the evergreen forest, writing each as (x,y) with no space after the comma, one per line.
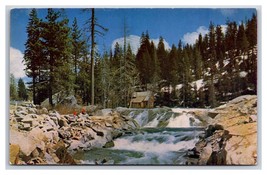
(61,56)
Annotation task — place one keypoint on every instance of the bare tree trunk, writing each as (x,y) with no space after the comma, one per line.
(92,57)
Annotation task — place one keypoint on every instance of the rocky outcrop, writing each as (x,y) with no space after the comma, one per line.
(38,136)
(62,98)
(231,139)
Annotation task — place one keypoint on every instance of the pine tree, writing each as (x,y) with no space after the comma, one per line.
(220,49)
(33,55)
(83,79)
(106,79)
(211,93)
(251,31)
(186,90)
(180,62)
(212,67)
(204,50)
(242,41)
(144,60)
(98,83)
(155,66)
(78,44)
(198,64)
(57,53)
(22,91)
(162,57)
(172,64)
(230,38)
(116,70)
(12,87)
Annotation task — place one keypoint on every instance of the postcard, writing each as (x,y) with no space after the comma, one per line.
(133,86)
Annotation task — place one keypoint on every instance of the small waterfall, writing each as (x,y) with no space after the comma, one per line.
(180,121)
(141,118)
(154,123)
(151,118)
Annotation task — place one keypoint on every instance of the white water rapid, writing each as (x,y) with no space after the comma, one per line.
(163,138)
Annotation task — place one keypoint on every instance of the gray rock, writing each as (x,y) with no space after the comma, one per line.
(98,133)
(69,101)
(26,144)
(61,98)
(63,123)
(55,158)
(20,114)
(103,112)
(253,118)
(52,136)
(91,109)
(212,114)
(86,138)
(48,127)
(42,111)
(25,126)
(212,128)
(32,110)
(64,134)
(217,158)
(35,153)
(19,119)
(21,108)
(116,133)
(49,159)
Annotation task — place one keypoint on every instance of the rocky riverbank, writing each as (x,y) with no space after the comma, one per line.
(231,137)
(39,136)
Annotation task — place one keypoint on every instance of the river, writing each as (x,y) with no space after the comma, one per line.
(161,140)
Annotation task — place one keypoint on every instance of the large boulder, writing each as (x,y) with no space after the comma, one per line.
(231,139)
(103,112)
(26,144)
(61,98)
(242,146)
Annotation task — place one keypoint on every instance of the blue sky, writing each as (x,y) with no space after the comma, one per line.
(171,24)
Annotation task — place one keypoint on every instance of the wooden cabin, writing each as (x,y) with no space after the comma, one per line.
(142,100)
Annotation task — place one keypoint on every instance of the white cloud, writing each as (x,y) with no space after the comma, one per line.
(190,38)
(16,65)
(224,28)
(134,41)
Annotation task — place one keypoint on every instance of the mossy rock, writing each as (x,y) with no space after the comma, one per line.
(163,124)
(109,144)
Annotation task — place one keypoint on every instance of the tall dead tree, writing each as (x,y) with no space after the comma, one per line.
(95,29)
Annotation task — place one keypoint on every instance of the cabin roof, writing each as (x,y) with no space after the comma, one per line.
(138,97)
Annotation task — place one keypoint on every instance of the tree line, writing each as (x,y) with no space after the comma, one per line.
(62,58)
(18,90)
(226,63)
